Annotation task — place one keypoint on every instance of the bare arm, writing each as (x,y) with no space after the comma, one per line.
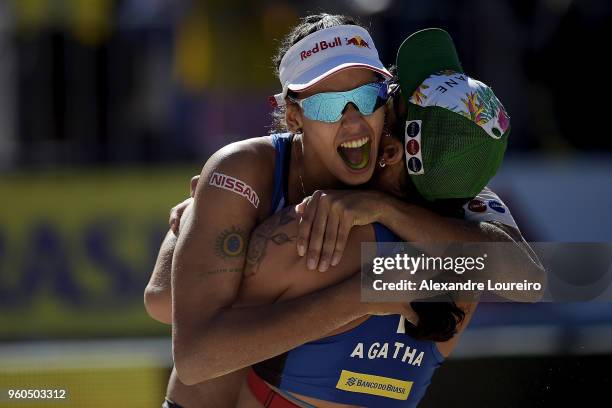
(417,224)
(515,262)
(275,272)
(158,293)
(328,216)
(209,337)
(244,336)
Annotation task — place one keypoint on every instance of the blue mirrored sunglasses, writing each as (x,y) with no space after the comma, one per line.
(329,106)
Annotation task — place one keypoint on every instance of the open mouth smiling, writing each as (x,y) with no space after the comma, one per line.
(356,152)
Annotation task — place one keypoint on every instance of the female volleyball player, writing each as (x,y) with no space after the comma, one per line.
(202,320)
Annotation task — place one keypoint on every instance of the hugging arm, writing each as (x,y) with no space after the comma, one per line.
(328,216)
(210,338)
(267,282)
(158,293)
(515,260)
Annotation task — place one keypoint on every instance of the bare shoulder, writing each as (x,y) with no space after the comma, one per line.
(233,193)
(249,154)
(275,272)
(245,168)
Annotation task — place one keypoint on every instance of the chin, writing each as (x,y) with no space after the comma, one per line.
(356,177)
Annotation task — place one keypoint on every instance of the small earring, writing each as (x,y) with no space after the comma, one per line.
(382,163)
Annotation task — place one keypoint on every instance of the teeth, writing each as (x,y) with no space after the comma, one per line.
(355,143)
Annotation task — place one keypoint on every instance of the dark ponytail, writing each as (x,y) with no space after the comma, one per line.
(437,320)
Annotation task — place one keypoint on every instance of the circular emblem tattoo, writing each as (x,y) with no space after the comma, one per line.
(230,243)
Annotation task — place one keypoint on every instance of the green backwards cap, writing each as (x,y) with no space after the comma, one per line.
(456,129)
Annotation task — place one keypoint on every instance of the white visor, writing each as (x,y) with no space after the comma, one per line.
(325,52)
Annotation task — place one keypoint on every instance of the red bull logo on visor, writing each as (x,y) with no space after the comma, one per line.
(358,41)
(324,45)
(321,46)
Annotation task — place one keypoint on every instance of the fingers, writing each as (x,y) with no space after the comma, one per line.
(329,242)
(302,206)
(305,225)
(174,220)
(344,228)
(193,185)
(323,229)
(176,213)
(317,233)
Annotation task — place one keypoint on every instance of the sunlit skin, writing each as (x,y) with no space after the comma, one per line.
(315,158)
(321,140)
(391,178)
(202,306)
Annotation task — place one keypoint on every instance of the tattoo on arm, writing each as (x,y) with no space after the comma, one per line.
(231,243)
(265,233)
(220,271)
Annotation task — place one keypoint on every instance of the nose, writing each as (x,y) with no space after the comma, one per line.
(351,117)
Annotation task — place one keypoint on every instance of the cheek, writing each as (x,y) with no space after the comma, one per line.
(319,132)
(319,139)
(377,121)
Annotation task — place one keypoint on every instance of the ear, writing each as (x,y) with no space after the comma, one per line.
(392,150)
(293,117)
